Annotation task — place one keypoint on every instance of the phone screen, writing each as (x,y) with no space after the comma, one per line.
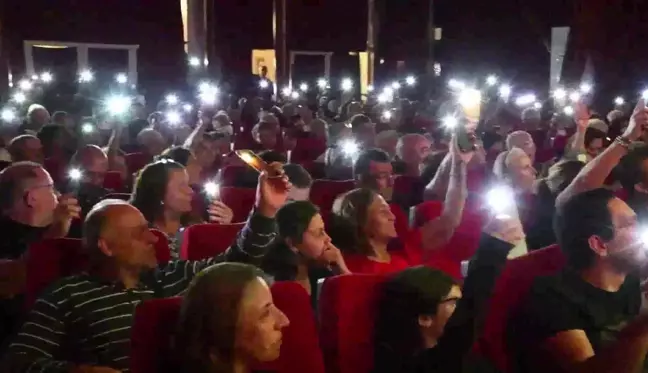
(251,159)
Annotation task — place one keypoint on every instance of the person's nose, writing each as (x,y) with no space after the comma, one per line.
(282,319)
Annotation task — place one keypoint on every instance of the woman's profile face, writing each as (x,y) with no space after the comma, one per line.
(259,325)
(178,192)
(380,219)
(314,240)
(436,324)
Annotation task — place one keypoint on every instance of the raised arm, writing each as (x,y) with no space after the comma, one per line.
(439,182)
(196,135)
(593,175)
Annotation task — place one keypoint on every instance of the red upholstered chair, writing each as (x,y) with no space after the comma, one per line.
(307,149)
(136,161)
(317,170)
(300,348)
(324,192)
(424,212)
(347,309)
(622,194)
(49,260)
(201,241)
(153,327)
(240,200)
(113,181)
(229,174)
(405,184)
(56,168)
(510,289)
(162,251)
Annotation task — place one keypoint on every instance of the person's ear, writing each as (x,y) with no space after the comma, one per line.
(597,245)
(29,199)
(425,321)
(290,243)
(103,247)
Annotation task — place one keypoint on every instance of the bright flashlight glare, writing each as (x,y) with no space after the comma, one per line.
(525,100)
(87,128)
(450,121)
(47,77)
(388,91)
(586,88)
(194,61)
(574,96)
(294,95)
(8,115)
(537,105)
(208,93)
(263,84)
(568,110)
(491,80)
(75,174)
(173,117)
(500,200)
(172,99)
(286,91)
(619,101)
(643,236)
(86,76)
(303,87)
(469,97)
(118,105)
(560,94)
(321,83)
(25,85)
(456,84)
(347,84)
(410,80)
(370,88)
(396,85)
(350,148)
(20,97)
(383,98)
(387,114)
(505,91)
(644,94)
(211,189)
(121,78)
(187,108)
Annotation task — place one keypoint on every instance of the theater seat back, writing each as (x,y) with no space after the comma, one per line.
(153,328)
(136,161)
(201,241)
(509,291)
(300,348)
(347,309)
(162,251)
(324,192)
(50,260)
(240,200)
(113,181)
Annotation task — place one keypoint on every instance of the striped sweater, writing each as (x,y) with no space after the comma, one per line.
(84,320)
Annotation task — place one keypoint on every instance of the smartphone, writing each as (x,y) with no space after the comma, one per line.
(465,139)
(254,161)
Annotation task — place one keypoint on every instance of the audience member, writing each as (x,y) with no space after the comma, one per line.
(413,150)
(26,148)
(301,182)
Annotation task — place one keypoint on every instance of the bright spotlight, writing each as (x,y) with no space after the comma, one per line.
(370,88)
(491,80)
(8,115)
(505,91)
(75,174)
(350,148)
(396,85)
(286,91)
(121,78)
(173,117)
(537,105)
(500,201)
(586,88)
(347,84)
(263,84)
(211,189)
(294,95)
(456,84)
(450,122)
(410,80)
(303,87)
(19,97)
(187,108)
(574,96)
(321,83)
(525,100)
(469,97)
(387,114)
(47,77)
(87,128)
(194,61)
(118,105)
(619,101)
(25,84)
(383,98)
(559,94)
(172,99)
(86,76)
(568,110)
(644,94)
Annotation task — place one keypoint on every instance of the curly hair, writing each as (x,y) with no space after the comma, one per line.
(349,217)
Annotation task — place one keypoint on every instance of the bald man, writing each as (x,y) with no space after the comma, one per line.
(96,309)
(413,149)
(93,163)
(151,141)
(26,148)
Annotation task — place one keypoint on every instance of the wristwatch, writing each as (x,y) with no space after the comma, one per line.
(623,141)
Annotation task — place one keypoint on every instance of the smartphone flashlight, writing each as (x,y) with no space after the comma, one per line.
(500,201)
(118,105)
(350,148)
(87,128)
(212,189)
(75,174)
(252,159)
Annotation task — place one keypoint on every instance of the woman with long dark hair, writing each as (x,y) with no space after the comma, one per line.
(228,321)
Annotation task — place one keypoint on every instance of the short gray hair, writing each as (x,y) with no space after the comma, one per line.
(13,181)
(94,224)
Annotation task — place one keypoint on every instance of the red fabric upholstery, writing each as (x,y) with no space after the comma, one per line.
(347,311)
(113,181)
(201,241)
(229,174)
(49,260)
(424,212)
(153,327)
(300,349)
(136,161)
(162,251)
(56,168)
(307,149)
(622,194)
(240,200)
(317,170)
(510,288)
(324,192)
(405,184)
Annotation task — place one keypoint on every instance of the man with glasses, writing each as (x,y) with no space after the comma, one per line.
(30,211)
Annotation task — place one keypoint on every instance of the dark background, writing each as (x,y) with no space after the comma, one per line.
(508,37)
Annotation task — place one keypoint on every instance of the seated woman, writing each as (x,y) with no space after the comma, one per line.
(424,322)
(304,252)
(163,194)
(228,321)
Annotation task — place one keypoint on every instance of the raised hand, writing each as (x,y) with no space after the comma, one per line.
(638,121)
(219,213)
(67,209)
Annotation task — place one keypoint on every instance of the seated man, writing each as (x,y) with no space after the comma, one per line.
(91,313)
(30,212)
(581,319)
(26,148)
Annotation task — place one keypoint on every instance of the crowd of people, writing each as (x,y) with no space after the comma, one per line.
(362,188)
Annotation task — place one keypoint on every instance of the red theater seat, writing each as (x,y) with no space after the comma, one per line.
(56,168)
(324,192)
(229,175)
(113,181)
(307,149)
(240,200)
(347,308)
(300,350)
(317,170)
(49,260)
(162,251)
(201,241)
(153,327)
(510,289)
(136,161)
(405,184)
